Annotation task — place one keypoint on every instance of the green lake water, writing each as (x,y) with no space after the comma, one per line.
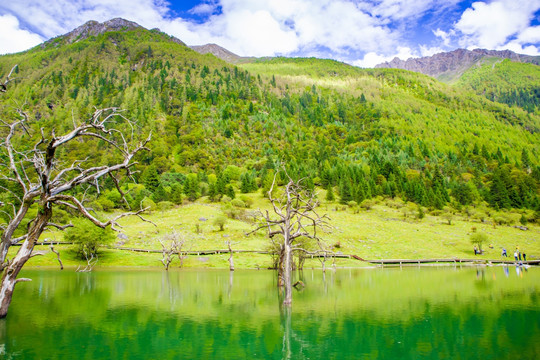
(409,313)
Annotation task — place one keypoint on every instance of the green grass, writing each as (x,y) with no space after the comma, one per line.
(379,233)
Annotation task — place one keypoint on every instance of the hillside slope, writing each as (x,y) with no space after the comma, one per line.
(505,81)
(362,133)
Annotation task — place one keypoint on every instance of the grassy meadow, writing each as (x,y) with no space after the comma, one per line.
(382,232)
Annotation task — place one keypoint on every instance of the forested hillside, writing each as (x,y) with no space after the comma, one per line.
(219,129)
(507,82)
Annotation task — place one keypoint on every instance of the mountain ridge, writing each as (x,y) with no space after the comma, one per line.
(96,28)
(449,66)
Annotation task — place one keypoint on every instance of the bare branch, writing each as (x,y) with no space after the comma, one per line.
(115,180)
(18,239)
(60,227)
(57,256)
(66,199)
(3,86)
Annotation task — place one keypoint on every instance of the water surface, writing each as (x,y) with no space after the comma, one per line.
(409,313)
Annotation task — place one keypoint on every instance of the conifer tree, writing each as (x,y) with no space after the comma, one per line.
(345,191)
(150,178)
(212,192)
(191,187)
(159,194)
(330,194)
(229,191)
(176,193)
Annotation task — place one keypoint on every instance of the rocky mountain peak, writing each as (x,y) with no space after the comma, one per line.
(94,28)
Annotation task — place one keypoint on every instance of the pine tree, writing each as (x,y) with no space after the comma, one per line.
(191,187)
(498,192)
(212,192)
(159,194)
(176,193)
(150,178)
(330,194)
(345,191)
(229,191)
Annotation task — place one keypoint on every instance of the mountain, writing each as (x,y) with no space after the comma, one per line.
(449,66)
(366,133)
(219,52)
(93,28)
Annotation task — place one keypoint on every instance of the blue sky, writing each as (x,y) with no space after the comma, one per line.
(362,33)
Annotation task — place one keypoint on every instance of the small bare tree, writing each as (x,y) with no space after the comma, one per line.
(172,245)
(229,244)
(294,216)
(42,178)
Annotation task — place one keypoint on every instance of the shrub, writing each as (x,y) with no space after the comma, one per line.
(106,204)
(367,204)
(479,238)
(88,237)
(232,212)
(149,203)
(226,199)
(247,200)
(238,203)
(165,205)
(448,216)
(220,222)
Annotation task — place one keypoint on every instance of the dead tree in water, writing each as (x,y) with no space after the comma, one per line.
(294,216)
(175,244)
(39,176)
(231,260)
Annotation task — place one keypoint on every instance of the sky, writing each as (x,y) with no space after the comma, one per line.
(359,32)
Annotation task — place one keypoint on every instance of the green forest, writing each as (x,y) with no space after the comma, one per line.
(220,130)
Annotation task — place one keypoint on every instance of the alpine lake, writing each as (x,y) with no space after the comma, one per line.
(449,312)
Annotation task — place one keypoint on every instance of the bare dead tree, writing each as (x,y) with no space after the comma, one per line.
(42,178)
(171,246)
(167,254)
(229,244)
(294,216)
(90,262)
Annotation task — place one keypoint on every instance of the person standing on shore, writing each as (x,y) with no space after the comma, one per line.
(504,253)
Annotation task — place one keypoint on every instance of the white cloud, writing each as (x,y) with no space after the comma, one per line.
(530,35)
(247,27)
(13,38)
(496,24)
(407,9)
(203,9)
(520,49)
(342,29)
(371,59)
(53,18)
(429,51)
(446,37)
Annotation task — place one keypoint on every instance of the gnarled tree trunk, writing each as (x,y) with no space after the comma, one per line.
(9,277)
(287,274)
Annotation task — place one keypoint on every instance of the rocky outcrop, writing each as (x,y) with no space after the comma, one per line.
(451,65)
(94,28)
(218,52)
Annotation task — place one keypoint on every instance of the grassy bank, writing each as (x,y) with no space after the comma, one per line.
(382,232)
